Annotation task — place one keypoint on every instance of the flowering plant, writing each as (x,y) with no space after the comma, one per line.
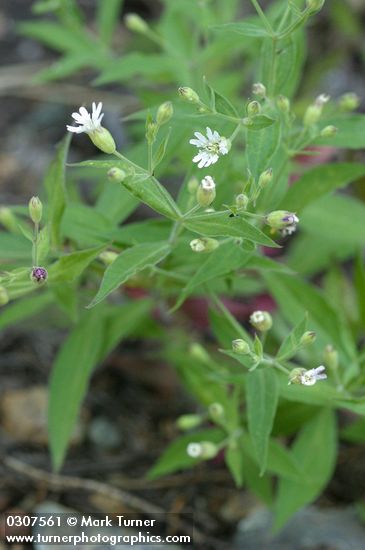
(269,387)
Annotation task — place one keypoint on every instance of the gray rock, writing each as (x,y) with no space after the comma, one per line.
(311,528)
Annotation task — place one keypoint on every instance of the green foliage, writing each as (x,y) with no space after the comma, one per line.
(93,251)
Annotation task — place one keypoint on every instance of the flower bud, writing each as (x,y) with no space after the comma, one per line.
(193,185)
(295,376)
(164,113)
(253,108)
(259,89)
(315,5)
(265,178)
(198,353)
(330,357)
(151,131)
(283,104)
(329,131)
(39,275)
(35,209)
(4,296)
(204,450)
(116,175)
(108,257)
(204,244)
(188,421)
(349,102)
(103,140)
(261,320)
(135,23)
(281,219)
(240,346)
(206,192)
(312,115)
(188,94)
(216,412)
(308,338)
(242,201)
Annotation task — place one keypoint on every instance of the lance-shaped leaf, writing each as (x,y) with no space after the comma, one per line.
(71,266)
(219,224)
(149,191)
(128,263)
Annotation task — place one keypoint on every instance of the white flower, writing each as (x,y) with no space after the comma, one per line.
(194,450)
(310,377)
(210,147)
(257,317)
(87,123)
(322,100)
(208,183)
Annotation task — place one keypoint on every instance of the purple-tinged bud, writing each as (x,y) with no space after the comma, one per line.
(308,338)
(281,219)
(39,275)
(116,175)
(188,94)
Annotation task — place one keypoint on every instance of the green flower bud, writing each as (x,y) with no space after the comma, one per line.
(261,320)
(189,421)
(103,140)
(116,175)
(314,111)
(135,23)
(35,210)
(198,353)
(204,244)
(188,94)
(349,101)
(315,5)
(193,185)
(164,113)
(253,108)
(329,131)
(265,178)
(151,131)
(216,412)
(206,192)
(4,296)
(308,338)
(242,201)
(259,89)
(280,219)
(295,376)
(330,357)
(204,450)
(283,104)
(240,346)
(108,257)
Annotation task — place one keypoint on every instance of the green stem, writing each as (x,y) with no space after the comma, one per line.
(228,316)
(35,245)
(263,18)
(150,154)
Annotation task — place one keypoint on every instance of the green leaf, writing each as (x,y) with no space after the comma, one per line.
(149,191)
(72,266)
(108,18)
(14,247)
(262,400)
(233,458)
(315,451)
(133,64)
(291,343)
(261,147)
(59,37)
(128,263)
(175,456)
(55,185)
(85,226)
(115,203)
(219,224)
(71,371)
(255,30)
(226,258)
(350,133)
(16,312)
(318,182)
(259,122)
(359,280)
(66,297)
(161,151)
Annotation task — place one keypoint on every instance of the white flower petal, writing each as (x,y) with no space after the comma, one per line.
(75,129)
